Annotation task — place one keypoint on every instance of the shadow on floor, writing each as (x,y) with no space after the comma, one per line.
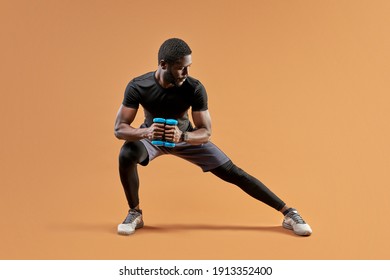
(209,227)
(109,228)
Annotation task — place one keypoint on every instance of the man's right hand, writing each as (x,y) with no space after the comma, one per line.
(155,131)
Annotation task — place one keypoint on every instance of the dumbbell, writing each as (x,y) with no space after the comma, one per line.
(162,142)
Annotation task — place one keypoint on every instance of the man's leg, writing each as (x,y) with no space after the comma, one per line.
(130,155)
(210,158)
(229,172)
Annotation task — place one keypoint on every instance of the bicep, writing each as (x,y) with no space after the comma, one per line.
(125,115)
(202,119)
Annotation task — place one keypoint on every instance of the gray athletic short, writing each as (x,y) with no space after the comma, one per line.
(207,156)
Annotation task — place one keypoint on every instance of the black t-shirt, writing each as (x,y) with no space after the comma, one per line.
(170,103)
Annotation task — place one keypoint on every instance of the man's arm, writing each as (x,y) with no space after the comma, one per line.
(202,134)
(124,130)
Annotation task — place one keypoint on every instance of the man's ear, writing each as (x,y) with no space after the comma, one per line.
(163,64)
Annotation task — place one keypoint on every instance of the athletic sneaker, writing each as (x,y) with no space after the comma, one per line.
(292,220)
(132,222)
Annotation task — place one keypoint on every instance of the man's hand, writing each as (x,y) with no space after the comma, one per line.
(172,133)
(155,131)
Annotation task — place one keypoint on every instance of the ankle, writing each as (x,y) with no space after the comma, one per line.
(137,209)
(286,210)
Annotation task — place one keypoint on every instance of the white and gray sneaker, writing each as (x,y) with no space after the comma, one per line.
(292,220)
(132,222)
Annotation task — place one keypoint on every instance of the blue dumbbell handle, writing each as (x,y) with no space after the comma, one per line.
(171,122)
(158,142)
(168,122)
(159,120)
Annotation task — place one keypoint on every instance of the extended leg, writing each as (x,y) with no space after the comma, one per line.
(232,174)
(229,172)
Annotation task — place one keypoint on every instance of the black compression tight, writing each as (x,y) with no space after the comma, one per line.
(229,172)
(133,153)
(130,155)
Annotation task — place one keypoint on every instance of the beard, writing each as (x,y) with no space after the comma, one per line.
(170,78)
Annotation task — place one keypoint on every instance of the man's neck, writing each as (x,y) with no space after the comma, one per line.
(160,79)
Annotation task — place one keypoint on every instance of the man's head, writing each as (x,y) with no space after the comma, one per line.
(172,50)
(174,59)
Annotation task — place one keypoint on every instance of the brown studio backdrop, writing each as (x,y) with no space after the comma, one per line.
(298,94)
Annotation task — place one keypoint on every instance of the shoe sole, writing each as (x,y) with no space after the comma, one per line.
(122,232)
(287,226)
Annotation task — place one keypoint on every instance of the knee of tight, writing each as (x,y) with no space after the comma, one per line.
(230,172)
(130,153)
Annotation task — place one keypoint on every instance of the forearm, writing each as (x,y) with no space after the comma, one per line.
(198,137)
(129,133)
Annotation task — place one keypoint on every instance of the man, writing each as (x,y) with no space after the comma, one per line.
(169,93)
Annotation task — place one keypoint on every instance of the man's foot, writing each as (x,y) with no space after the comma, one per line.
(292,220)
(132,222)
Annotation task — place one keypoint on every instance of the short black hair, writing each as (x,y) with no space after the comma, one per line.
(172,50)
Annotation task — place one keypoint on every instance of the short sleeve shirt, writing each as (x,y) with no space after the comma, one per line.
(170,103)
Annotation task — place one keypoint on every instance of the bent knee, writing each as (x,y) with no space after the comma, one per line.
(130,153)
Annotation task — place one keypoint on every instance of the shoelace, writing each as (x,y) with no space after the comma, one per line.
(296,217)
(131,217)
